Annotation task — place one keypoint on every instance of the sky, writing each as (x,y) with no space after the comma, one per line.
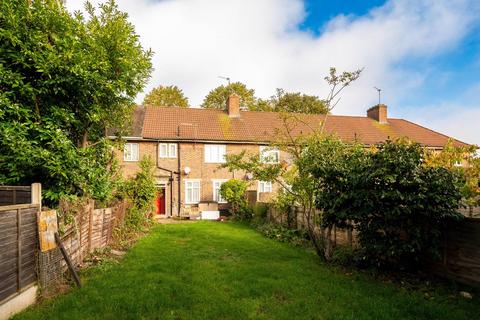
(423,54)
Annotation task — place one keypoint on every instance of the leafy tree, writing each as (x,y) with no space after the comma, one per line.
(463,161)
(64,79)
(234,192)
(398,204)
(291,176)
(169,96)
(217,98)
(293,102)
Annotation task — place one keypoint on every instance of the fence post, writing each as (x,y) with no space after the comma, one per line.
(36,193)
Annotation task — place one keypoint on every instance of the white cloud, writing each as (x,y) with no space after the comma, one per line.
(259,43)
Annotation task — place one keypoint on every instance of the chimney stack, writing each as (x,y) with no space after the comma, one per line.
(378,113)
(233,106)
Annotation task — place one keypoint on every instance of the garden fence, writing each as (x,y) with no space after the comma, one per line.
(460,252)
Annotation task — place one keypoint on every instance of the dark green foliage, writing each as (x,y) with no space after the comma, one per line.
(63,81)
(398,204)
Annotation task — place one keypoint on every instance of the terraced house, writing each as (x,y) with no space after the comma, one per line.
(189,144)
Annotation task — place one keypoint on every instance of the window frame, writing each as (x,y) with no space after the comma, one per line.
(217,160)
(192,201)
(264,154)
(128,155)
(220,199)
(264,183)
(170,145)
(168,150)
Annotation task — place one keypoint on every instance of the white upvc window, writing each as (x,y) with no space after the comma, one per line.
(264,186)
(217,197)
(192,191)
(130,152)
(172,150)
(167,150)
(215,153)
(269,154)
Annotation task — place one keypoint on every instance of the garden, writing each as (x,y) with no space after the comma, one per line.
(229,271)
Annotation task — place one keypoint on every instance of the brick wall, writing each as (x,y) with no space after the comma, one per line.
(191,155)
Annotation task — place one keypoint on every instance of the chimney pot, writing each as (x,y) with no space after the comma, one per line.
(378,113)
(233,106)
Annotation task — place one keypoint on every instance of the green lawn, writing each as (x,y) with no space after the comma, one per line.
(228,271)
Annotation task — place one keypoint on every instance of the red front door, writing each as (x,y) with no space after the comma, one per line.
(160,201)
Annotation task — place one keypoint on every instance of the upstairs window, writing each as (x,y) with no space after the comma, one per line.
(167,150)
(130,152)
(215,153)
(269,154)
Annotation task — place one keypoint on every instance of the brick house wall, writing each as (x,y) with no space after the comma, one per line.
(191,155)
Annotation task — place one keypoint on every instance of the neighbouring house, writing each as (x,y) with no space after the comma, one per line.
(189,144)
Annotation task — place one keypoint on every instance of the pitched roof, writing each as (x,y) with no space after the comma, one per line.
(252,126)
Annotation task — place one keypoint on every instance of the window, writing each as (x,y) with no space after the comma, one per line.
(215,153)
(167,150)
(264,186)
(192,191)
(217,197)
(269,154)
(130,152)
(172,150)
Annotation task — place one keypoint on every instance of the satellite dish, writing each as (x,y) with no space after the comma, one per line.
(249,176)
(187,170)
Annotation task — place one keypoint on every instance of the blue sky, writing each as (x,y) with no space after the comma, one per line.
(424,54)
(449,73)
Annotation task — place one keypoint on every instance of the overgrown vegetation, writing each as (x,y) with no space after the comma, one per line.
(140,192)
(64,80)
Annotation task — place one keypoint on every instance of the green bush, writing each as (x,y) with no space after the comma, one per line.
(234,192)
(397,203)
(140,191)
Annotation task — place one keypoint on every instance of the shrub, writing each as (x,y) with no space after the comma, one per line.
(234,192)
(398,204)
(140,190)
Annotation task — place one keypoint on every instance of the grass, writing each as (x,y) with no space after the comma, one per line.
(229,271)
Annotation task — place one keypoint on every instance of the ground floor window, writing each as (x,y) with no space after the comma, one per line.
(192,191)
(264,186)
(217,197)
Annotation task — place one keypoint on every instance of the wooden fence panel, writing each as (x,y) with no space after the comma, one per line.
(461,252)
(10,195)
(18,246)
